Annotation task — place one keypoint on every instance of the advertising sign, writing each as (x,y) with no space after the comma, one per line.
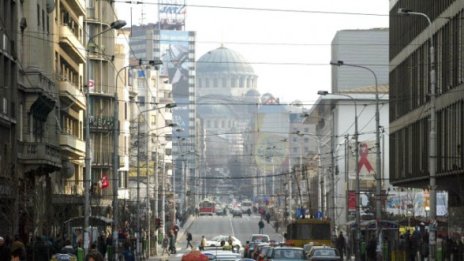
(172,14)
(174,53)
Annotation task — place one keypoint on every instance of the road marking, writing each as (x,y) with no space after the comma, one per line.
(231,226)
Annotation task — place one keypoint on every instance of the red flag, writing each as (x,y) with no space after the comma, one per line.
(104,182)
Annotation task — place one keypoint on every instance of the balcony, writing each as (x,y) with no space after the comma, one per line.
(71,44)
(72,145)
(78,6)
(39,155)
(69,91)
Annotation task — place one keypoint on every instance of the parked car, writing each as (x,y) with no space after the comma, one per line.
(323,253)
(287,253)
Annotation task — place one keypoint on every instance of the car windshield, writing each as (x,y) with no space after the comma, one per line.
(324,252)
(288,253)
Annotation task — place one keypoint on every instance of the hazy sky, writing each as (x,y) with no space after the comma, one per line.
(289,50)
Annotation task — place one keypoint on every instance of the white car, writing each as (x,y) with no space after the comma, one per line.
(216,241)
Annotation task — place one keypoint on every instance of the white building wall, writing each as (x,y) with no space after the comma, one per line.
(360,47)
(344,115)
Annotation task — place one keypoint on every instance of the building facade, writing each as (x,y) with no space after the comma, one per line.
(410,108)
(101,83)
(9,179)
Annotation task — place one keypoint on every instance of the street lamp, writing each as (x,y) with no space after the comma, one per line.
(155,166)
(116,153)
(378,190)
(358,214)
(432,134)
(168,106)
(118,24)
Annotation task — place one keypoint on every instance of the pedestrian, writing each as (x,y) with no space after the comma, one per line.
(261,226)
(268,217)
(4,251)
(68,248)
(371,249)
(189,240)
(19,248)
(165,245)
(172,243)
(93,254)
(101,244)
(276,226)
(127,253)
(340,244)
(202,243)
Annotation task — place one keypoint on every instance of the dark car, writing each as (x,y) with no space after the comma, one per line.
(323,254)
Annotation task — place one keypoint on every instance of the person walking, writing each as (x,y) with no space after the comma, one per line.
(172,243)
(165,245)
(189,240)
(340,243)
(202,243)
(4,251)
(261,226)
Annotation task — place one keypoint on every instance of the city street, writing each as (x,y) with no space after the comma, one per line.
(211,226)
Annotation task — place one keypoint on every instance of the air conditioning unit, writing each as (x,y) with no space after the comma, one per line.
(4,105)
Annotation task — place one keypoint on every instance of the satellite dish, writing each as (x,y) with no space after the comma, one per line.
(50,6)
(68,170)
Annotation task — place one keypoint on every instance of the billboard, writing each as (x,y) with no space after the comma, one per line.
(178,64)
(172,14)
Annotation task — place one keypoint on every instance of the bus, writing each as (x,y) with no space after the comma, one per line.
(207,207)
(305,231)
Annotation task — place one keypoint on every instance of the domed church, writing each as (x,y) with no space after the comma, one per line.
(227,102)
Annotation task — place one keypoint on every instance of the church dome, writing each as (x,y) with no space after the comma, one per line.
(224,61)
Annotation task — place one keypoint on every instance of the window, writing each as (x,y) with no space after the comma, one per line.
(141,100)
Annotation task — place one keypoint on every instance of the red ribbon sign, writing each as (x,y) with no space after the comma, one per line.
(363,161)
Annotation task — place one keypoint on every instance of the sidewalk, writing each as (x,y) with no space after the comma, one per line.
(180,238)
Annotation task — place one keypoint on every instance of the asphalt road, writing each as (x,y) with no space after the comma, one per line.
(210,226)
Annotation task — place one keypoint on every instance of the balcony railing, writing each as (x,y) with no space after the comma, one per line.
(71,44)
(78,6)
(69,90)
(72,144)
(39,153)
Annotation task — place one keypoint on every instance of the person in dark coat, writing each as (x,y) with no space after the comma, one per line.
(371,249)
(4,251)
(340,244)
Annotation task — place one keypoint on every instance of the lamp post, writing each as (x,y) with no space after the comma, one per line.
(432,134)
(378,167)
(155,166)
(169,105)
(358,214)
(118,24)
(116,157)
